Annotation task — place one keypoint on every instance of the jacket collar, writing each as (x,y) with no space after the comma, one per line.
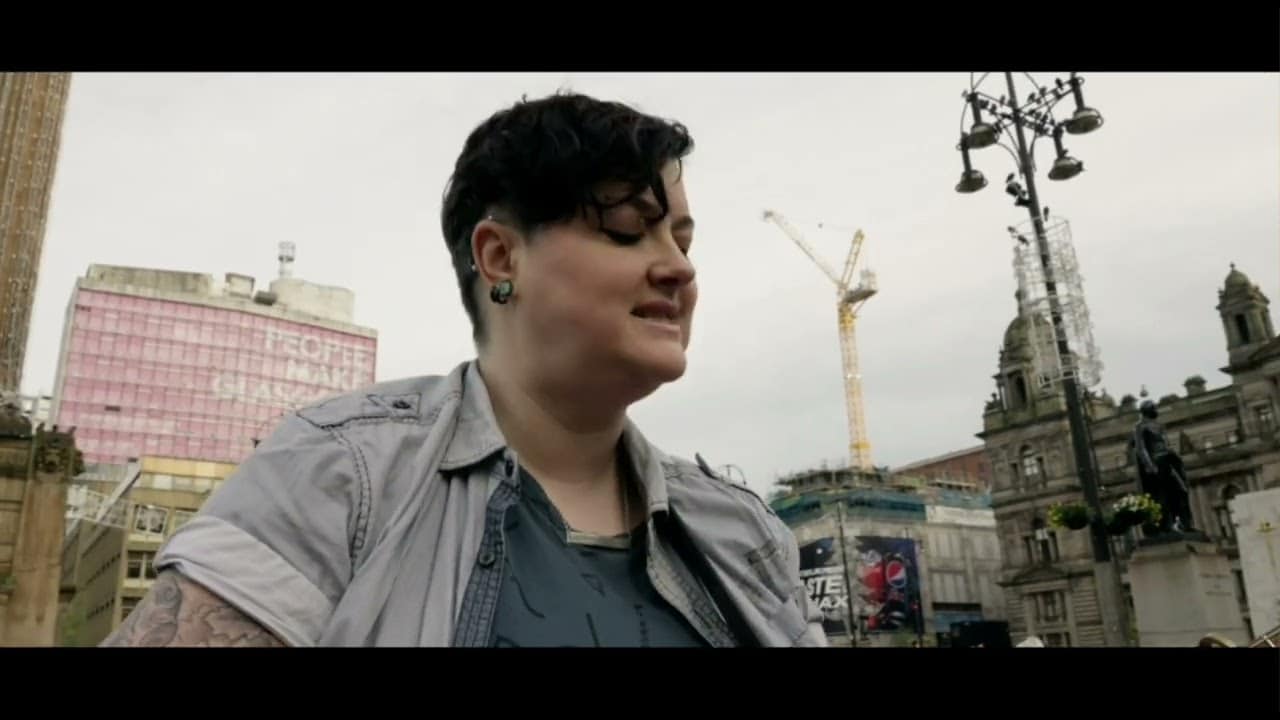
(476,436)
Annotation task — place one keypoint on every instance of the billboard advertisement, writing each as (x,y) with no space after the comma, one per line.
(822,572)
(888,584)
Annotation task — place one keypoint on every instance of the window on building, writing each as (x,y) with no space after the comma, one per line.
(1242,327)
(140,565)
(1057,639)
(1047,546)
(1223,512)
(1266,420)
(1224,522)
(1030,468)
(1050,607)
(150,519)
(1019,386)
(126,606)
(1029,546)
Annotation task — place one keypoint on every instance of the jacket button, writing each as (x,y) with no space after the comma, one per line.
(487,558)
(510,466)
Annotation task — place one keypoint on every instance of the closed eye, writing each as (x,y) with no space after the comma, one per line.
(623,238)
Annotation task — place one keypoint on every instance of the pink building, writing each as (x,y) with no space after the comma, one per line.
(176,364)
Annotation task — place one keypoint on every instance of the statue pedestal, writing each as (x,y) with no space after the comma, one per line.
(1183,590)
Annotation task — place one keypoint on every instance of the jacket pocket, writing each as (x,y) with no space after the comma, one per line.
(770,566)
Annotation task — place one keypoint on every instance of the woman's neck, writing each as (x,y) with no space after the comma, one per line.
(568,445)
(558,435)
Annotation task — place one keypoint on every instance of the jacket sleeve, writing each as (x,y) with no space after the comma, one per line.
(275,540)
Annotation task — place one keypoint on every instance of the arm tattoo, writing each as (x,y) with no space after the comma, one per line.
(179,612)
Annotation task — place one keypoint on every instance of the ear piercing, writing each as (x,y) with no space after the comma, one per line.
(501,292)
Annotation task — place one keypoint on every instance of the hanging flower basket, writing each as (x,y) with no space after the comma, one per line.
(1072,516)
(1132,510)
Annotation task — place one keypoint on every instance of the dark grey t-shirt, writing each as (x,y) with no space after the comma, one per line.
(584,593)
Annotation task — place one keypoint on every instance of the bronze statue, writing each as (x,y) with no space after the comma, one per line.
(1160,471)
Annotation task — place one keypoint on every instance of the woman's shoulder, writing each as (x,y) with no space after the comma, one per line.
(403,398)
(705,488)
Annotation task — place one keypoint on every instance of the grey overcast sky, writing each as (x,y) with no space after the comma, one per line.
(207,172)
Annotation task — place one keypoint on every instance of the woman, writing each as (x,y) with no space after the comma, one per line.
(510,502)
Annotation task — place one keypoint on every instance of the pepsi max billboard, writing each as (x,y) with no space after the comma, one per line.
(822,572)
(888,584)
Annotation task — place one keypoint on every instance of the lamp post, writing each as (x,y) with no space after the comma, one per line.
(1012,118)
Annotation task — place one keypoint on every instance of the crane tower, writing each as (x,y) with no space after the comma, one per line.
(849,300)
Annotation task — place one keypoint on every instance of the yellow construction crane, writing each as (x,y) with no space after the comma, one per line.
(848,301)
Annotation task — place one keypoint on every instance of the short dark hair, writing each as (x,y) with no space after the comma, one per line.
(539,162)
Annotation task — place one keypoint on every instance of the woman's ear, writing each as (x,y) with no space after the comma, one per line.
(493,253)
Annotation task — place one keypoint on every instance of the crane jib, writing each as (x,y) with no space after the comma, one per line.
(848,301)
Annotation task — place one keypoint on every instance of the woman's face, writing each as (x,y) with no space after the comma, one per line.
(609,300)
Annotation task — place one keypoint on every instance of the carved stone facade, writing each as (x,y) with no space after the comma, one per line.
(35,468)
(1226,436)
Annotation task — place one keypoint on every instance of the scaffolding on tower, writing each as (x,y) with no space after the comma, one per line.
(1084,361)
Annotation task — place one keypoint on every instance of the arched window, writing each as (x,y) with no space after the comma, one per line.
(1018,386)
(1242,327)
(1042,543)
(1032,466)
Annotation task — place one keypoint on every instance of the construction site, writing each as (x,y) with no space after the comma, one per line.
(892,557)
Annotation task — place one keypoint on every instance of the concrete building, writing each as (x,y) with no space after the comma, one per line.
(176,364)
(852,527)
(106,563)
(1226,436)
(35,468)
(31,110)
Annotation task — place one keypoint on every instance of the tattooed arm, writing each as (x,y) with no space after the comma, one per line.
(179,612)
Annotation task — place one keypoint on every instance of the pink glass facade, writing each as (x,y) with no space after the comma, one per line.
(144,376)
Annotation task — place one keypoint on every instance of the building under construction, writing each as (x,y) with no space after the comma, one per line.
(900,557)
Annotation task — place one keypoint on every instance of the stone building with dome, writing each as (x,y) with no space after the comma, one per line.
(1227,437)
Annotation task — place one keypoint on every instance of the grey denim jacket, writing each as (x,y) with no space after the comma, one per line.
(376,518)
